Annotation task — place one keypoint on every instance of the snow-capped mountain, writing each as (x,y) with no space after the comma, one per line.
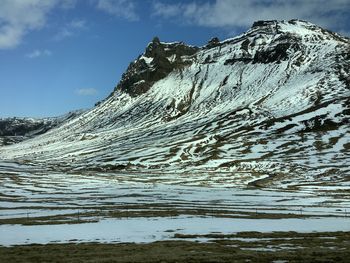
(272,102)
(14,130)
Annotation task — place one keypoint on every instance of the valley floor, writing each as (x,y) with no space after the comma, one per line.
(51,216)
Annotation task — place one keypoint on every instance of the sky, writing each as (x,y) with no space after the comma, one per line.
(62,55)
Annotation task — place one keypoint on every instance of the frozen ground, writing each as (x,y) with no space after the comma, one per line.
(43,207)
(141,230)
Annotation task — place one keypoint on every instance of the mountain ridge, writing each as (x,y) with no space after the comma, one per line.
(270,103)
(17,129)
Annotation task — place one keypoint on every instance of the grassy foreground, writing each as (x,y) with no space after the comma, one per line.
(269,247)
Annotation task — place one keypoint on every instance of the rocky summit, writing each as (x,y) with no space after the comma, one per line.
(269,106)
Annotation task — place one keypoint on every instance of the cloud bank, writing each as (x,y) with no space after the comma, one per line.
(18,17)
(234,13)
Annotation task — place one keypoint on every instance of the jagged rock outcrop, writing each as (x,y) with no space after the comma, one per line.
(157,62)
(214,42)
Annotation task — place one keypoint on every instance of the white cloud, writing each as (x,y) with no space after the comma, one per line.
(86,92)
(78,23)
(119,8)
(10,36)
(18,17)
(234,13)
(62,34)
(68,4)
(39,53)
(70,29)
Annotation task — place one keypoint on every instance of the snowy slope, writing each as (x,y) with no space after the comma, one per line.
(273,102)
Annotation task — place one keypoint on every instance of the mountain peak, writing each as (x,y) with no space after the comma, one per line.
(266,23)
(296,27)
(158,60)
(269,41)
(263,23)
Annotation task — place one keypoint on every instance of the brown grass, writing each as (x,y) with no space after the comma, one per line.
(289,246)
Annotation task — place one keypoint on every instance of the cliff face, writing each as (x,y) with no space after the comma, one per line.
(155,64)
(273,101)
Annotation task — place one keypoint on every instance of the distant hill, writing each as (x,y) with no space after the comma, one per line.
(14,130)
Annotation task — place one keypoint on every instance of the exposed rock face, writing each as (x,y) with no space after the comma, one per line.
(214,42)
(272,102)
(157,62)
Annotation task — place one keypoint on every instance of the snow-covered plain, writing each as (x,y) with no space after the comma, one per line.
(37,207)
(142,230)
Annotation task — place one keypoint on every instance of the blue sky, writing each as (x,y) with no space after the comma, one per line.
(61,55)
